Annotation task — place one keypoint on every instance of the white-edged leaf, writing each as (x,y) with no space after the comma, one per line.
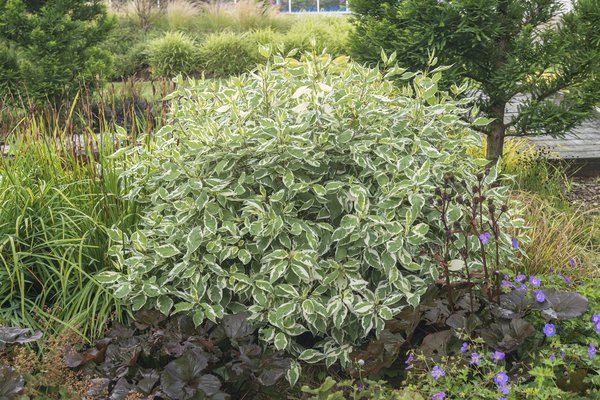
(166,251)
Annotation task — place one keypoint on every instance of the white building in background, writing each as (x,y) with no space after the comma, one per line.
(338,5)
(312,5)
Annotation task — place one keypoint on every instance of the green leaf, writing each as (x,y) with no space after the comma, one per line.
(311,356)
(164,304)
(339,234)
(166,251)
(182,306)
(281,341)
(421,229)
(301,271)
(115,234)
(385,313)
(288,179)
(308,307)
(108,277)
(284,311)
(278,271)
(138,302)
(150,290)
(244,256)
(363,308)
(319,190)
(285,290)
(194,239)
(395,245)
(202,200)
(211,312)
(293,373)
(481,121)
(456,265)
(123,291)
(277,255)
(349,222)
(454,214)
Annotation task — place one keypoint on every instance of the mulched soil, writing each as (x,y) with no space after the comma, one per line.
(585,192)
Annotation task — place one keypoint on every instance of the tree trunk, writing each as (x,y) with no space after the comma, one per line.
(495,142)
(495,136)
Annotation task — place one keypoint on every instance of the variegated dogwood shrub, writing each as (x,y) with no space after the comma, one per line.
(301,193)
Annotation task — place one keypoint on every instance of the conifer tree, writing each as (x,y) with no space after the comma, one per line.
(541,53)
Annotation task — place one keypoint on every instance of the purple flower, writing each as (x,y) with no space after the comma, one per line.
(504,389)
(522,287)
(515,244)
(484,237)
(409,361)
(596,318)
(497,356)
(439,396)
(571,261)
(539,296)
(566,279)
(360,387)
(502,398)
(562,354)
(437,372)
(506,284)
(475,359)
(501,378)
(549,330)
(535,281)
(464,347)
(552,357)
(597,326)
(551,269)
(520,278)
(591,350)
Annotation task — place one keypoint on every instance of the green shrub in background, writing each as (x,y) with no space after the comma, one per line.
(127,43)
(133,62)
(172,54)
(242,16)
(318,34)
(10,72)
(59,41)
(300,194)
(263,37)
(180,15)
(225,54)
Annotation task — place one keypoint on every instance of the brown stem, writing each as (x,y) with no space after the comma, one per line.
(485,270)
(465,258)
(444,265)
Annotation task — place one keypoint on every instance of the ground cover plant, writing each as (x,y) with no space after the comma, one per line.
(175,359)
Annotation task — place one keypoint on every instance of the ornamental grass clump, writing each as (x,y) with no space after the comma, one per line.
(300,194)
